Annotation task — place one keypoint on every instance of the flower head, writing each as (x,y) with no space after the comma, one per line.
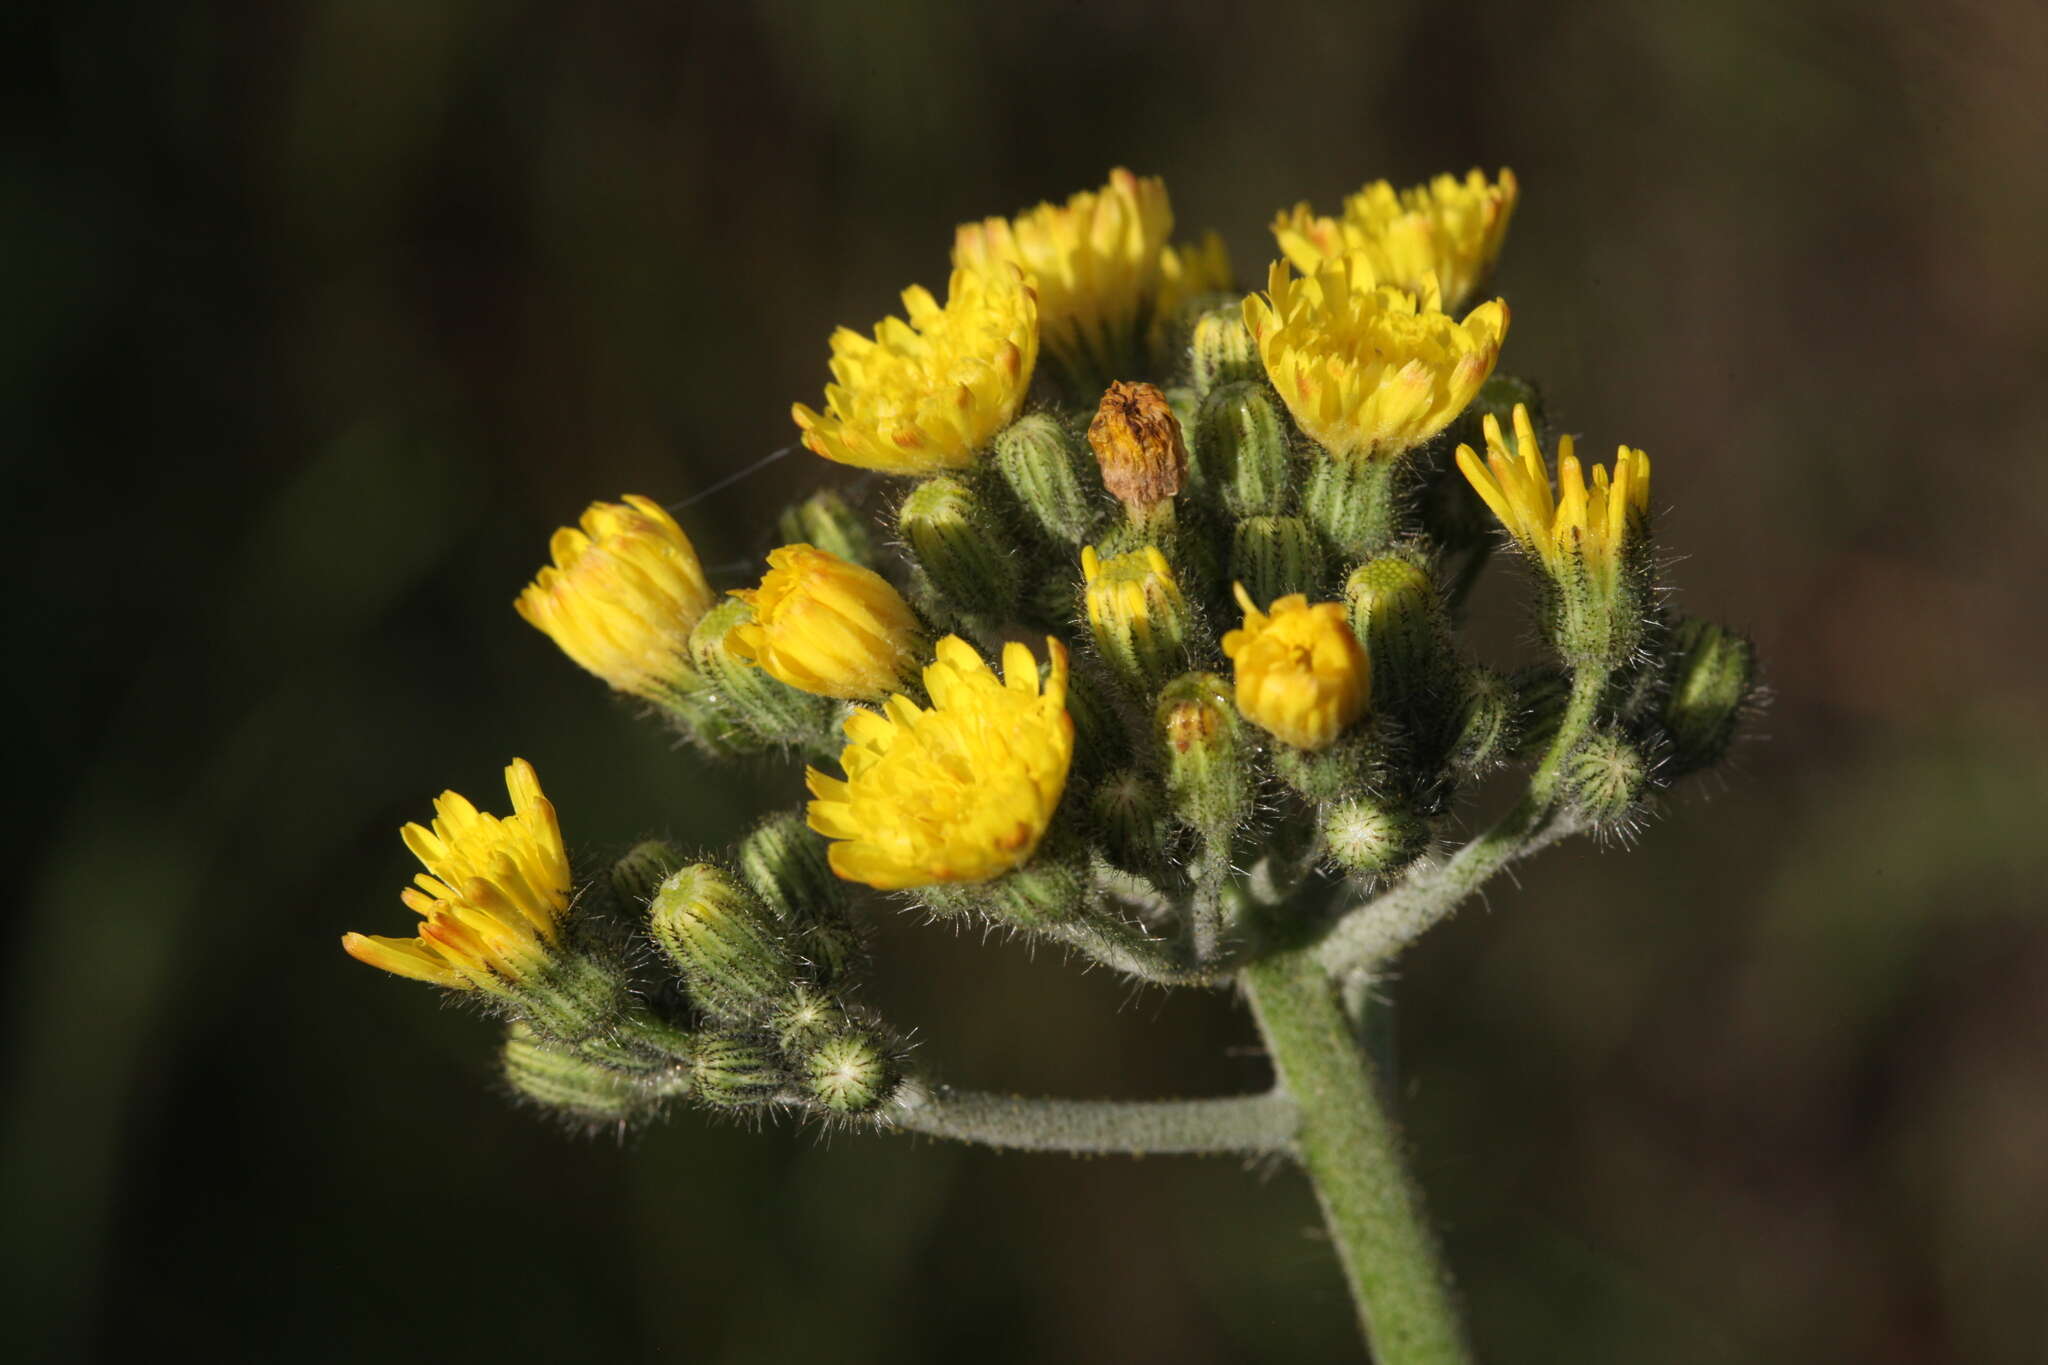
(1451,228)
(1096,261)
(1137,612)
(1591,527)
(1301,673)
(492,898)
(961,791)
(1368,370)
(622,596)
(924,395)
(828,627)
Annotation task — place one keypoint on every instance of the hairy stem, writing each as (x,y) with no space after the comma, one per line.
(1240,1124)
(1374,932)
(1351,1149)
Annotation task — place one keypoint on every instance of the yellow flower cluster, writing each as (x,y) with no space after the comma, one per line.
(1368,370)
(828,627)
(1301,674)
(1591,526)
(1096,260)
(1449,228)
(924,395)
(622,596)
(492,897)
(960,791)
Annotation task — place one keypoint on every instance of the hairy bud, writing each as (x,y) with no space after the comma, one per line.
(1604,778)
(1241,446)
(849,1072)
(1141,622)
(644,868)
(730,953)
(828,521)
(1712,675)
(1222,349)
(1202,740)
(1370,837)
(1126,808)
(583,1085)
(1043,468)
(732,1071)
(957,545)
(1275,557)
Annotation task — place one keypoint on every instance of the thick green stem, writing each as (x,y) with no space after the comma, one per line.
(1377,930)
(1237,1124)
(1351,1149)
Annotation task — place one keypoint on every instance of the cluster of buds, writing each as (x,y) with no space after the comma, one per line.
(1139,643)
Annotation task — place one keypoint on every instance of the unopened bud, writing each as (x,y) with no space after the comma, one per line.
(1126,808)
(1141,622)
(1605,778)
(828,521)
(1352,502)
(770,711)
(956,543)
(1486,730)
(1242,448)
(1101,740)
(1712,674)
(1275,557)
(1050,476)
(849,1072)
(731,954)
(582,1086)
(783,859)
(1138,445)
(1206,757)
(1222,349)
(805,1019)
(644,868)
(729,1072)
(1395,611)
(1371,837)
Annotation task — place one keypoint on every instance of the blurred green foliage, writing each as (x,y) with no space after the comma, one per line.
(321,315)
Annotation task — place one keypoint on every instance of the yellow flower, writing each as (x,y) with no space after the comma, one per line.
(492,898)
(828,627)
(622,596)
(1186,272)
(925,395)
(1368,370)
(1137,612)
(1097,263)
(1594,527)
(959,792)
(1301,673)
(1450,228)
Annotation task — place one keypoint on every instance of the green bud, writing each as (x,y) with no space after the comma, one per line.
(1486,727)
(1142,624)
(1046,890)
(828,521)
(1605,777)
(849,1072)
(963,556)
(771,712)
(1101,740)
(1275,556)
(1596,620)
(582,1086)
(1126,808)
(1354,763)
(1712,675)
(1051,476)
(1396,614)
(644,868)
(576,997)
(1222,349)
(805,1019)
(1353,503)
(731,1072)
(1370,837)
(784,861)
(1207,760)
(728,950)
(1241,449)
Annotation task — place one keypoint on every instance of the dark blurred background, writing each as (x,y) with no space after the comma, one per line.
(319,316)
